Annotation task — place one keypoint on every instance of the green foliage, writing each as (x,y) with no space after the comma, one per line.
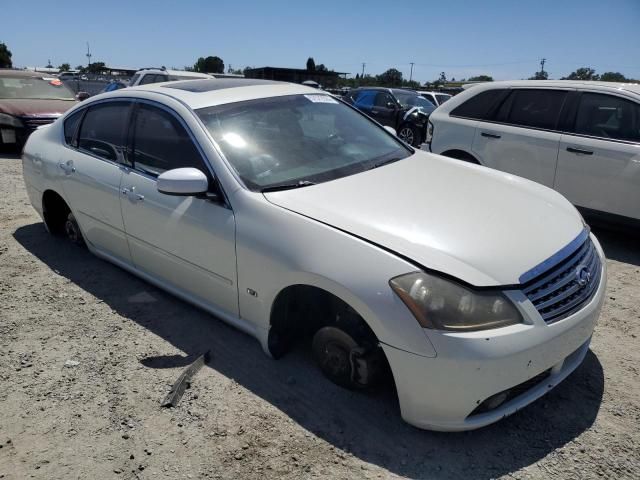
(321,68)
(390,78)
(95,67)
(584,73)
(613,77)
(5,56)
(209,65)
(311,64)
(479,78)
(65,67)
(541,75)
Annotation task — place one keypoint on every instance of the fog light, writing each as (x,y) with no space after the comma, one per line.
(495,401)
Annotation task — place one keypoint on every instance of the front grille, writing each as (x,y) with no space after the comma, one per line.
(567,286)
(32,123)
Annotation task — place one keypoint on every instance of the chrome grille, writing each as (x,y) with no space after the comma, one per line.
(567,286)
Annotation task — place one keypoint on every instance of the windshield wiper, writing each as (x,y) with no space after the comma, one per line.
(287,186)
(384,162)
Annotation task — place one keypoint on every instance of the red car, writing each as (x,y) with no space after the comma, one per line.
(27,101)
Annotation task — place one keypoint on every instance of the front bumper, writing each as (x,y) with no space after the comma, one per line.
(441,393)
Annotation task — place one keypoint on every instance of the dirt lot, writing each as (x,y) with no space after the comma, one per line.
(87,352)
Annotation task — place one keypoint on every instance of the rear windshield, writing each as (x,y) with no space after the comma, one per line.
(34,88)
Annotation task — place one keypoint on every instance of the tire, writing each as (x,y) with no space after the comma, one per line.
(409,134)
(332,353)
(72,231)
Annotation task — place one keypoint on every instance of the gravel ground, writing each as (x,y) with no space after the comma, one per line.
(88,351)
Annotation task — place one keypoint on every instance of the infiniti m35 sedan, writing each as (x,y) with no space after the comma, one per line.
(296,218)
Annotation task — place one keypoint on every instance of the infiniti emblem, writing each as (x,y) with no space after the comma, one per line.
(583,276)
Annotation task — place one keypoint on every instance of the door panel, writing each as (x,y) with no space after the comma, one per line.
(608,179)
(92,176)
(381,111)
(528,153)
(185,241)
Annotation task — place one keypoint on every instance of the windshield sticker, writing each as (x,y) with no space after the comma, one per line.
(321,99)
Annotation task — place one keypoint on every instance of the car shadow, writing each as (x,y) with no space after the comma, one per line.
(620,245)
(367,426)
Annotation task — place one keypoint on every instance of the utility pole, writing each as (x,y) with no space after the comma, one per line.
(88,56)
(363,65)
(542,62)
(411,74)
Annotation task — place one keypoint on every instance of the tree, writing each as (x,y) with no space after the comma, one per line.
(321,68)
(95,67)
(584,73)
(311,64)
(65,67)
(80,68)
(541,75)
(613,77)
(209,65)
(390,78)
(443,78)
(479,78)
(5,56)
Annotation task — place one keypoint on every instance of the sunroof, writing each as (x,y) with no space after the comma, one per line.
(199,86)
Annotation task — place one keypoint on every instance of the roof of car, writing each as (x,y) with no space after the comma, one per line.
(23,73)
(182,73)
(209,92)
(632,87)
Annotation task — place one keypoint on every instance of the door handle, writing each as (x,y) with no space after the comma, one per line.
(579,151)
(68,167)
(490,135)
(134,197)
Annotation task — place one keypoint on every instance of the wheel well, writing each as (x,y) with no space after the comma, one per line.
(299,311)
(461,155)
(55,211)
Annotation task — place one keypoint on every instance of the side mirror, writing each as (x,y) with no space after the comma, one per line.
(82,96)
(391,130)
(183,182)
(391,105)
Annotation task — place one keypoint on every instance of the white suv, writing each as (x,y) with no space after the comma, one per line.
(580,138)
(436,98)
(157,75)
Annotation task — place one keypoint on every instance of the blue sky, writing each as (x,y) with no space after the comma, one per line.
(505,39)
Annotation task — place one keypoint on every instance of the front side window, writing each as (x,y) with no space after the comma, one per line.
(161,143)
(383,99)
(153,78)
(607,116)
(103,130)
(537,108)
(479,106)
(280,141)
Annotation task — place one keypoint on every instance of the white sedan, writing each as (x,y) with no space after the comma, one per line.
(294,217)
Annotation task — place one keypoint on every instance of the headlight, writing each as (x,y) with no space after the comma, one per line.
(9,120)
(444,305)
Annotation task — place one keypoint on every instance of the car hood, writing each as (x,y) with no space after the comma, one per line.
(35,108)
(479,225)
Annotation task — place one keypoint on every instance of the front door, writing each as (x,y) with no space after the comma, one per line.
(599,164)
(384,109)
(183,241)
(92,169)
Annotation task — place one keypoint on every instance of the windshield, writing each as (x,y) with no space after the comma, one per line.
(34,88)
(297,139)
(408,100)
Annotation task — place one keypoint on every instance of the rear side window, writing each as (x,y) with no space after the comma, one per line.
(71,127)
(161,143)
(103,131)
(153,78)
(608,116)
(537,108)
(366,98)
(480,105)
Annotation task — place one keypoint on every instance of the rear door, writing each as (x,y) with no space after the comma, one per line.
(93,167)
(599,161)
(523,137)
(187,242)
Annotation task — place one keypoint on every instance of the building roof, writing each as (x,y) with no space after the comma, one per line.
(301,71)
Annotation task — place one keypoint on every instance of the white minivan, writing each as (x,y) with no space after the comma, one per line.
(580,138)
